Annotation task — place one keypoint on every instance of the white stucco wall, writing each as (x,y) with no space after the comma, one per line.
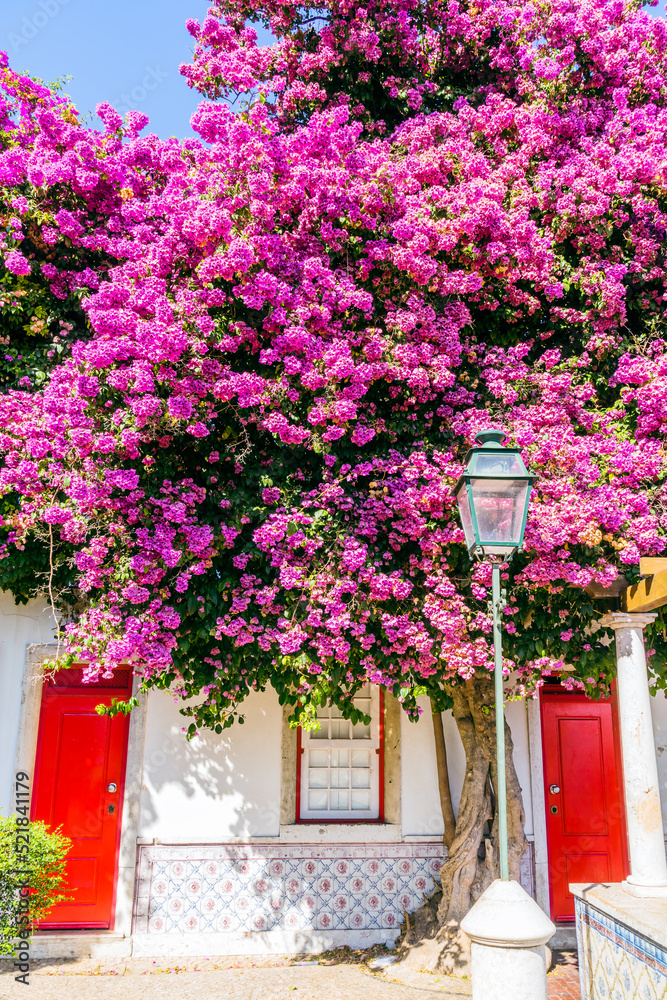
(421,813)
(215,787)
(659,713)
(517,719)
(20,625)
(420,800)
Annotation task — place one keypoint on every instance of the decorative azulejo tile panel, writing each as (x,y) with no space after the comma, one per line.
(615,962)
(263,887)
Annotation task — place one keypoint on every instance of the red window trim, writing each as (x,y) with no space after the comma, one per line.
(344,822)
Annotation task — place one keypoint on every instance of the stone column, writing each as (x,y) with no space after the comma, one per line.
(646,842)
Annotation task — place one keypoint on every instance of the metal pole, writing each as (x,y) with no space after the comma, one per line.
(501,790)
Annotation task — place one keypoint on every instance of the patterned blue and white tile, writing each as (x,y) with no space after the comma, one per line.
(257,887)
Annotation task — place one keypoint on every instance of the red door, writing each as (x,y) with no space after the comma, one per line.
(79,774)
(584,801)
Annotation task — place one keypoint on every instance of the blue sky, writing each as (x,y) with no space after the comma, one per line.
(126,52)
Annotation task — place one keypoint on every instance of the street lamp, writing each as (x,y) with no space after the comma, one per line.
(492,497)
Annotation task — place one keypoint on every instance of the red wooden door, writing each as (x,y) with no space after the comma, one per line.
(584,801)
(80,758)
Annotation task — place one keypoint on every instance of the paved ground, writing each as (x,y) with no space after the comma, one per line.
(563,980)
(248,979)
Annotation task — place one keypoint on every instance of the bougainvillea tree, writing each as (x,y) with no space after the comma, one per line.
(242,371)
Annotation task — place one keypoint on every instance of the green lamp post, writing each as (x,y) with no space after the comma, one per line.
(492,497)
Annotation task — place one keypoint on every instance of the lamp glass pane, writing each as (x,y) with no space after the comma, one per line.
(499,506)
(466,517)
(497,463)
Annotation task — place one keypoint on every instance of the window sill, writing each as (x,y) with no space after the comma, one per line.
(371,832)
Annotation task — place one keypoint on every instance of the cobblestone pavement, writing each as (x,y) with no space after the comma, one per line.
(249,979)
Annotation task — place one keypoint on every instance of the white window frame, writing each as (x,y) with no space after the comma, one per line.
(371,744)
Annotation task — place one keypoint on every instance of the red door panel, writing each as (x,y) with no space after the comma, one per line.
(79,755)
(583,790)
(585,821)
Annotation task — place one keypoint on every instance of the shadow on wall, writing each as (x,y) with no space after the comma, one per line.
(229,785)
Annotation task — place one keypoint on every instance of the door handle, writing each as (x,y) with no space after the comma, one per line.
(113,787)
(554,789)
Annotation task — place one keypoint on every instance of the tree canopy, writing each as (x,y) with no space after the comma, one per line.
(243,370)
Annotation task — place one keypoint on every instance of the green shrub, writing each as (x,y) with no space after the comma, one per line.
(44,874)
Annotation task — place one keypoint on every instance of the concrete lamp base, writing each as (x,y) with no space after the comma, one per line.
(508,931)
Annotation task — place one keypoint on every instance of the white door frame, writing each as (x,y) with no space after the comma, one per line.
(539,804)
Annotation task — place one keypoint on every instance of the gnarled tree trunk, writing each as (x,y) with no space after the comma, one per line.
(435,939)
(448,818)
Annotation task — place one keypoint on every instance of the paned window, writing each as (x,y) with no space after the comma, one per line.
(340,764)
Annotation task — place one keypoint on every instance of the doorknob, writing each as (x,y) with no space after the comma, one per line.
(554,789)
(113,787)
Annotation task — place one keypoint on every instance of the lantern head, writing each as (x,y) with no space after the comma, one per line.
(492,496)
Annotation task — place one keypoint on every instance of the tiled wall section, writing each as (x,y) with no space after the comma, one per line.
(257,887)
(263,887)
(615,961)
